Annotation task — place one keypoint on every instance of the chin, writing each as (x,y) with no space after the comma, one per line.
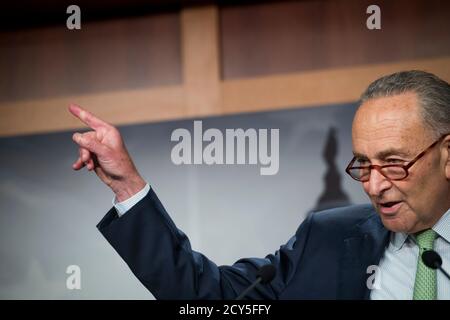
(394,224)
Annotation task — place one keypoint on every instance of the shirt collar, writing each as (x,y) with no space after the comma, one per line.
(442,228)
(398,239)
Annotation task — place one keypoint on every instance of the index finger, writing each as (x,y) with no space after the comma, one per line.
(88,118)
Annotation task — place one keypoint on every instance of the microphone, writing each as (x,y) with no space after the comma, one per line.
(265,275)
(433,260)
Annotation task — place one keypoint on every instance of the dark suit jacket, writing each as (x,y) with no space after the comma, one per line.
(327,258)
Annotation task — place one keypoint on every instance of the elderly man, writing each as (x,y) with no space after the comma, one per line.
(401,144)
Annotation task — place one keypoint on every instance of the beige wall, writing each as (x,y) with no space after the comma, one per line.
(212,61)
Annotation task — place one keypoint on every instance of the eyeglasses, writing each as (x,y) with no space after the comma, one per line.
(390,171)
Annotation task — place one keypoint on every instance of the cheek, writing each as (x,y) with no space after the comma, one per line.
(365,186)
(408,192)
(413,194)
(419,186)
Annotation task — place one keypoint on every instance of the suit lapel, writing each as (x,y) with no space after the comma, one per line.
(363,246)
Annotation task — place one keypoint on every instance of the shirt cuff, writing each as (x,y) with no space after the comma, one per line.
(124,206)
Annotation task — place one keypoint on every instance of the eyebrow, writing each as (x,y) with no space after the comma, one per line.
(384,154)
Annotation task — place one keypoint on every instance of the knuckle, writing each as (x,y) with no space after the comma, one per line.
(87,142)
(115,131)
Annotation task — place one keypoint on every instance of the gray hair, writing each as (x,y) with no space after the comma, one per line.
(433,94)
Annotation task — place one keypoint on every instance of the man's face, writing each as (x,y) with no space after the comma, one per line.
(389,130)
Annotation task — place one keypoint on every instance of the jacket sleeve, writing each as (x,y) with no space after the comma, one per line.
(160,256)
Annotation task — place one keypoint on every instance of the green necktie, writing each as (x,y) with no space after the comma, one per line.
(425,284)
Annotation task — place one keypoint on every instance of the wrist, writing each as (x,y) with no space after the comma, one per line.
(128,188)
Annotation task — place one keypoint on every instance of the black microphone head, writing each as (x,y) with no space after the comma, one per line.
(267,273)
(431,259)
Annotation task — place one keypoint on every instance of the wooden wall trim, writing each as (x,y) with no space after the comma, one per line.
(200,60)
(245,95)
(202,92)
(51,114)
(316,88)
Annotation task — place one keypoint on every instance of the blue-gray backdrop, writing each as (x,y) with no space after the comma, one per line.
(48,212)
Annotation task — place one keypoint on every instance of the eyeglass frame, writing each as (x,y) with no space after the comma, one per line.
(379,168)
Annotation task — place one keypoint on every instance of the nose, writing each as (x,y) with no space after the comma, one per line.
(377,183)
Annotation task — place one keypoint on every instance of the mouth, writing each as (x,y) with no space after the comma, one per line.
(389,208)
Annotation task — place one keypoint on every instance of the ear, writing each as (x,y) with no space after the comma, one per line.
(446,155)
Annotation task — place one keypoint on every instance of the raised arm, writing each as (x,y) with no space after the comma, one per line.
(157,252)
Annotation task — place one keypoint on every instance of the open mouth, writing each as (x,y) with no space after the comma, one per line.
(390,207)
(389,204)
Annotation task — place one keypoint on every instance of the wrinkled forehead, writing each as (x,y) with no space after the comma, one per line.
(389,123)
